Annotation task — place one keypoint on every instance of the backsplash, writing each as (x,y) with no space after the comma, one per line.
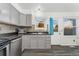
(7,28)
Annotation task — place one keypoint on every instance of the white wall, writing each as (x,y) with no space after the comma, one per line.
(61,14)
(61,39)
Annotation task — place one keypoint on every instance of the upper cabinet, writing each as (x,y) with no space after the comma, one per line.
(4,12)
(25,19)
(10,15)
(14,16)
(22,20)
(28,19)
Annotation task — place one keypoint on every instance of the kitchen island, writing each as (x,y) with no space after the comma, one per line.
(36,41)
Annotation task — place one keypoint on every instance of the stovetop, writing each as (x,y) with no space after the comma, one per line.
(3,41)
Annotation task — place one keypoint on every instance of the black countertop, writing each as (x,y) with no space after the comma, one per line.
(35,33)
(13,37)
(7,38)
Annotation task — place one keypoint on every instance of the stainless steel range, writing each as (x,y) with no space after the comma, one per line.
(4,47)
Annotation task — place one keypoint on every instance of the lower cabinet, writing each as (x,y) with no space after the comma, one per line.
(26,42)
(48,43)
(36,42)
(41,43)
(15,49)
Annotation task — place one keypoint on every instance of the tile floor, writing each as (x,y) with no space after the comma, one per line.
(54,51)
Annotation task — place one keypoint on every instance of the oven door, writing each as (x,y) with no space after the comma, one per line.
(4,51)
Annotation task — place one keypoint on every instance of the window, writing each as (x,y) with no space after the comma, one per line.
(69,26)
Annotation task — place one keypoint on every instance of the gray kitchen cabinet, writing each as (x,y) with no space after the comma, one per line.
(9,15)
(48,42)
(15,48)
(41,43)
(14,16)
(28,19)
(22,19)
(45,42)
(36,42)
(25,19)
(26,42)
(18,18)
(5,12)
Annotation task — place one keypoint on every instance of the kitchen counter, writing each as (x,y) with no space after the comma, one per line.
(13,37)
(35,33)
(10,36)
(7,38)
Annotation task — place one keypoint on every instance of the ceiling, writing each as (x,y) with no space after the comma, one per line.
(50,7)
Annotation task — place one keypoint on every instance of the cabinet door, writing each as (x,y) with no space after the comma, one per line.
(5,12)
(29,20)
(48,42)
(22,19)
(18,18)
(25,42)
(41,43)
(34,42)
(14,15)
